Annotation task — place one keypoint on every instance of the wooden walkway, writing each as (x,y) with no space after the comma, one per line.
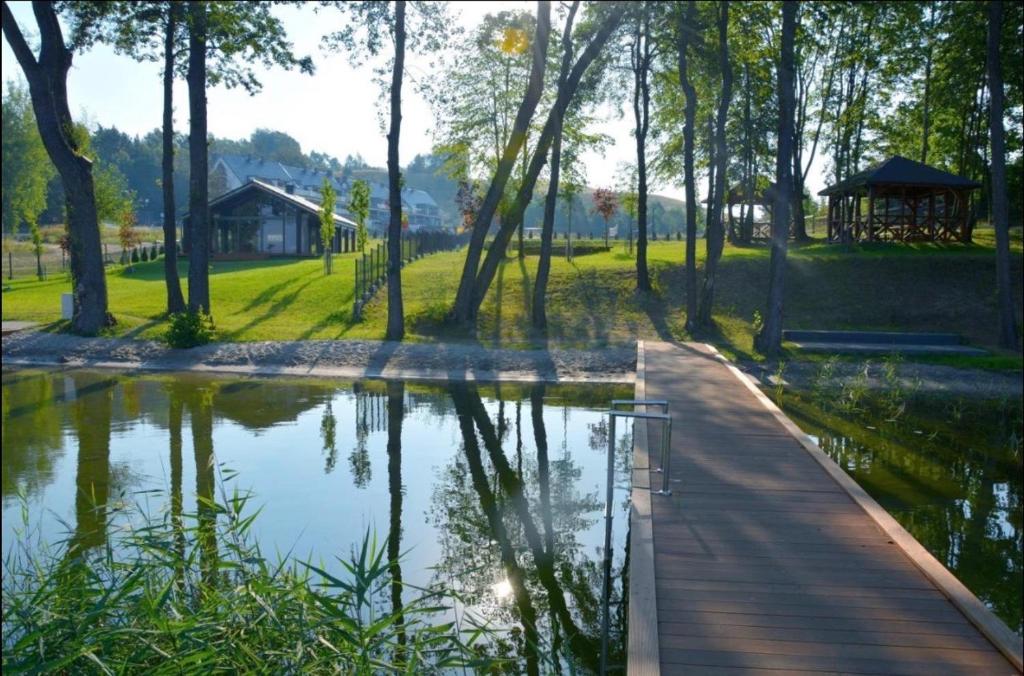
(764,561)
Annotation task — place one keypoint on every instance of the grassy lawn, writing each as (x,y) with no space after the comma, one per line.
(592,301)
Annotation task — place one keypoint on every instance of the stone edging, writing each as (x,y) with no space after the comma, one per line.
(995,630)
(345,372)
(642,650)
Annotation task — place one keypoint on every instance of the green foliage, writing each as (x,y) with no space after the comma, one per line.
(327,227)
(145,255)
(189,329)
(200,590)
(359,207)
(135,256)
(27,168)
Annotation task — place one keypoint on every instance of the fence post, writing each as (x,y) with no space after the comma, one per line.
(10,266)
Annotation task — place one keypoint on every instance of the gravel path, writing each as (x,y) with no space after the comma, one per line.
(349,359)
(458,361)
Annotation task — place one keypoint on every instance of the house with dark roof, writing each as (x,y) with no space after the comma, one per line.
(229,172)
(260,220)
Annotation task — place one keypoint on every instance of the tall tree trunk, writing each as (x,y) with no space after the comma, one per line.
(641,111)
(464,309)
(199,210)
(769,340)
(175,301)
(514,215)
(685,28)
(926,121)
(47,83)
(1009,331)
(715,233)
(540,285)
(396,315)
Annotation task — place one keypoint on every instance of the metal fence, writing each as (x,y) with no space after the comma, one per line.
(372,267)
(21,263)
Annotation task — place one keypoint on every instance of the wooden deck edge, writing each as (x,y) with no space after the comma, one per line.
(643,657)
(977,613)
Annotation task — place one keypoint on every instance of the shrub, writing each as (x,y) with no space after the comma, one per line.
(135,255)
(153,253)
(189,329)
(161,250)
(145,255)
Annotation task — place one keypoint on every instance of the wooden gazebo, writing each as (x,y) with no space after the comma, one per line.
(900,200)
(762,196)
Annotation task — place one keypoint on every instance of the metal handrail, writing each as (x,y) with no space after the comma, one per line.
(666,437)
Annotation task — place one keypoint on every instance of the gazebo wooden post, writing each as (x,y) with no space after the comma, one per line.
(931,216)
(903,214)
(829,216)
(871,214)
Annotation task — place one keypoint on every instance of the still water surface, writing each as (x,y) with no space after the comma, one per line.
(949,469)
(477,487)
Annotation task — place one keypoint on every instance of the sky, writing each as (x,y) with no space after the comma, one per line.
(338,110)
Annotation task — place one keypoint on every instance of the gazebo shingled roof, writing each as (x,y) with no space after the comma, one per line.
(901,171)
(906,201)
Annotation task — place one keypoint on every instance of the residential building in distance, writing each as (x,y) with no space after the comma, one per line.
(230,172)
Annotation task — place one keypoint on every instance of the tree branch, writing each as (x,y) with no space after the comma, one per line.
(16,40)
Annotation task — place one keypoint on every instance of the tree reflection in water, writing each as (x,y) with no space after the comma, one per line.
(544,570)
(396,412)
(200,406)
(91,413)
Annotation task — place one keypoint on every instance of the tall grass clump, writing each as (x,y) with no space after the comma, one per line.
(193,593)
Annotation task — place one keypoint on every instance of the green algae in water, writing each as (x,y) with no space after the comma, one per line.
(949,469)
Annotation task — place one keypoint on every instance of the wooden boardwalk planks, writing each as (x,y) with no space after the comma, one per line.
(764,561)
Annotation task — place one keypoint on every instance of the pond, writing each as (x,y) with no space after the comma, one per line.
(948,468)
(495,491)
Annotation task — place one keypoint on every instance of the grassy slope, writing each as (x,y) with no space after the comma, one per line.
(925,287)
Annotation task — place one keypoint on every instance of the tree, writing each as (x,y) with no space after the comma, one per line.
(605,204)
(714,230)
(377,21)
(327,199)
(47,81)
(468,202)
(464,310)
(641,61)
(629,199)
(359,207)
(225,39)
(145,31)
(539,309)
(1009,331)
(769,340)
(607,20)
(685,31)
(27,169)
(198,179)
(127,235)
